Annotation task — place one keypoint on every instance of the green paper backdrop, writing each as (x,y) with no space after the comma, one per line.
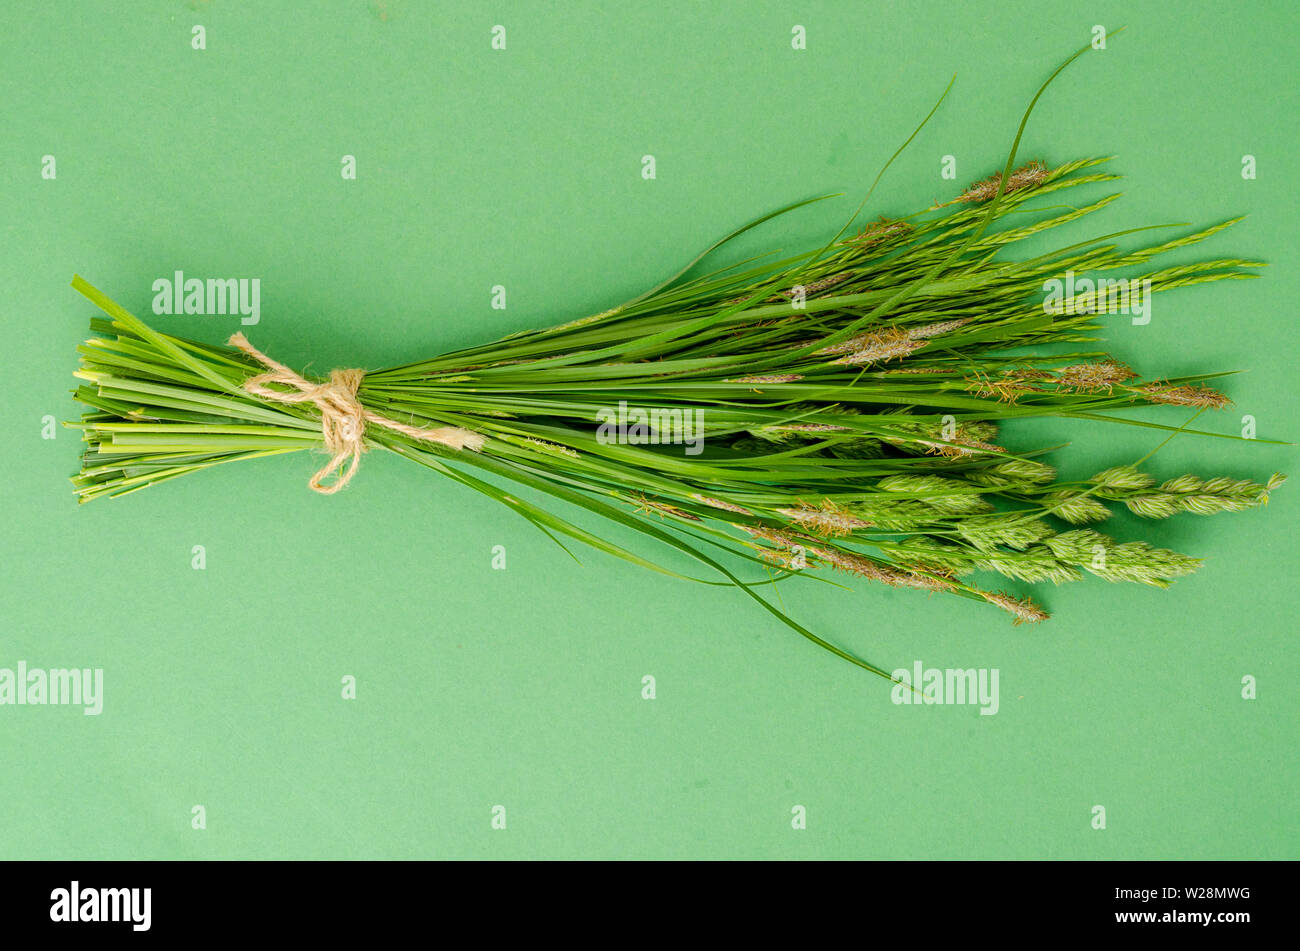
(478,687)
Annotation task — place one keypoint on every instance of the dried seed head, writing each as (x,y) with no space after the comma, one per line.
(769,378)
(719,504)
(775,536)
(875,347)
(847,346)
(879,231)
(806,428)
(1027,176)
(878,571)
(1024,609)
(879,352)
(969,439)
(782,559)
(1008,386)
(935,330)
(1203,397)
(828,519)
(1094,377)
(817,286)
(959,447)
(650,506)
(1004,390)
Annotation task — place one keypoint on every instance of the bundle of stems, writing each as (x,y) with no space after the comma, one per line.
(838,408)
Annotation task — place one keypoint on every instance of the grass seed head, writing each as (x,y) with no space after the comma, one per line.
(1027,176)
(1094,377)
(1202,397)
(1023,609)
(720,504)
(878,232)
(828,520)
(877,346)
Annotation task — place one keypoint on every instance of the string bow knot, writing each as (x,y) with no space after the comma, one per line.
(343,417)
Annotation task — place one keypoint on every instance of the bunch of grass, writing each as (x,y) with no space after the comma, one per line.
(850,397)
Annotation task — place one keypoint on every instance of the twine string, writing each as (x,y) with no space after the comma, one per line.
(343,418)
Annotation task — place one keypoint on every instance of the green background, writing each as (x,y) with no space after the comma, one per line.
(522,687)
